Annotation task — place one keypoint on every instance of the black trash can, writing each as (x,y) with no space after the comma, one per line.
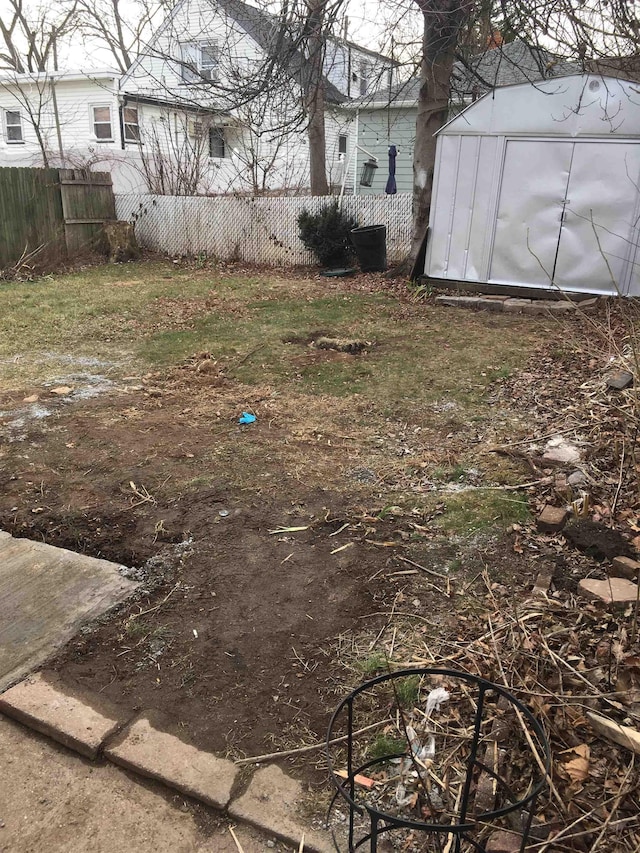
(370,243)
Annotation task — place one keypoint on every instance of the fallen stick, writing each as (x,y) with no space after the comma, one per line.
(271,755)
(235,838)
(424,568)
(622,735)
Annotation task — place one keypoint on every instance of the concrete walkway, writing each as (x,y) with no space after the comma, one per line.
(50,799)
(46,594)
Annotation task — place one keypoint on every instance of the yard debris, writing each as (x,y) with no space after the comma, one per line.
(353,347)
(60,391)
(359,779)
(279,530)
(142,495)
(624,736)
(247,418)
(614,591)
(552,519)
(620,380)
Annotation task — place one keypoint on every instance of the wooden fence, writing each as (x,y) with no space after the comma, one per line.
(47,215)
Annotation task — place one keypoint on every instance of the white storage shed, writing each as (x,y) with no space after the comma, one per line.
(538,186)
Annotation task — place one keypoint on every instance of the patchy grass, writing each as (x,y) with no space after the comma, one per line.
(384,746)
(476,510)
(405,406)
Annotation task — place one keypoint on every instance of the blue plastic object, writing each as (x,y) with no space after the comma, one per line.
(246,418)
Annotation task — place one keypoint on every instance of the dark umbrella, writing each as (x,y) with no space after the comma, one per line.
(391,188)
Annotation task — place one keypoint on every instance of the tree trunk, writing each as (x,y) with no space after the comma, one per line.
(315,100)
(442,22)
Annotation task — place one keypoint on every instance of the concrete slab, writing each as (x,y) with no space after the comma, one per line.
(46,594)
(44,703)
(159,755)
(271,804)
(515,305)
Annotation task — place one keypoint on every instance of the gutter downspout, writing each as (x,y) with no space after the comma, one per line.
(122,104)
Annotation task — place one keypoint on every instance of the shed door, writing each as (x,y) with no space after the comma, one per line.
(603,188)
(534,185)
(550,193)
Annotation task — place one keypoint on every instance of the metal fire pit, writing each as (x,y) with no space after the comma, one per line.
(461,826)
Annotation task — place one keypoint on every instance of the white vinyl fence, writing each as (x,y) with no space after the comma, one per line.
(255,230)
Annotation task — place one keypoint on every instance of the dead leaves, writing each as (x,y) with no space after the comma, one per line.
(576,765)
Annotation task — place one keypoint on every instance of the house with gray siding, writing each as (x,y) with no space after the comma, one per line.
(388,116)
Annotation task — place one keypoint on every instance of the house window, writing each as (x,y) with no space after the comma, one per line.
(131,126)
(342,145)
(199,61)
(102,128)
(13,122)
(217,146)
(208,65)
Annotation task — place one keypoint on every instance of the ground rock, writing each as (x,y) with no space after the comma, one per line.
(577,478)
(624,567)
(552,519)
(620,380)
(614,591)
(502,841)
(560,451)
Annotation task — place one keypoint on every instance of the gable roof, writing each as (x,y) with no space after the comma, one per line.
(510,63)
(266,30)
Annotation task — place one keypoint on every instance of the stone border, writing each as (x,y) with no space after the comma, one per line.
(515,305)
(87,724)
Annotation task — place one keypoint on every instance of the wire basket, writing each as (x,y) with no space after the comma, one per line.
(453,759)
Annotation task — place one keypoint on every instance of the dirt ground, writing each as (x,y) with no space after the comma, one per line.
(236,641)
(264,549)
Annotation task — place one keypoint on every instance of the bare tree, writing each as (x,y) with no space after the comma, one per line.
(443,22)
(596,35)
(30,35)
(123,32)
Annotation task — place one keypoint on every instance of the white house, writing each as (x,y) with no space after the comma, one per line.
(212,105)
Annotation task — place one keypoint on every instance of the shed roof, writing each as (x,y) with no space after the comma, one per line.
(576,105)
